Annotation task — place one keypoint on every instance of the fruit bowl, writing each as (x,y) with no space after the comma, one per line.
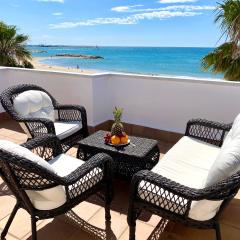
(116,140)
(118,145)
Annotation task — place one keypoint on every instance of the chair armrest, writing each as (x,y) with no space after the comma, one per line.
(223,190)
(73,113)
(38,126)
(207,131)
(47,146)
(100,160)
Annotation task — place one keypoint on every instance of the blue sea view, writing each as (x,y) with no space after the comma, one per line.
(172,61)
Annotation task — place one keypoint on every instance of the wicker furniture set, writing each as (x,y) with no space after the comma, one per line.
(192,184)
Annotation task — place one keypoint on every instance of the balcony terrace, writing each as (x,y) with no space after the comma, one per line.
(154,107)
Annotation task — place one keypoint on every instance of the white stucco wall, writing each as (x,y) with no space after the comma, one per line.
(168,103)
(3,82)
(158,102)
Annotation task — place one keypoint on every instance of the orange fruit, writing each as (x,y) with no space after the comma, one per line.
(115,139)
(124,139)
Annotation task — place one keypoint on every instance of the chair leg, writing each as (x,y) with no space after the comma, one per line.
(9,222)
(218,231)
(132,217)
(108,200)
(107,213)
(34,228)
(132,230)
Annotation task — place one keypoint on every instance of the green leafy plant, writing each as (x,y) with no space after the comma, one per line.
(226,58)
(13,51)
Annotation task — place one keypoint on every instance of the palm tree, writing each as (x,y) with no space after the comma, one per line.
(13,52)
(228,15)
(226,58)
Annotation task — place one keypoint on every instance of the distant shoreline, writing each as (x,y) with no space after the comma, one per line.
(38,65)
(110,46)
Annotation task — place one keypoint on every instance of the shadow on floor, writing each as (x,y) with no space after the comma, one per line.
(4,190)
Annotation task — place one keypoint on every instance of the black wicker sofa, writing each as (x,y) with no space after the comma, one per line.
(194,181)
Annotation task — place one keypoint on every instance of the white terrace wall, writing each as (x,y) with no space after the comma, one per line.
(3,82)
(66,88)
(168,103)
(159,102)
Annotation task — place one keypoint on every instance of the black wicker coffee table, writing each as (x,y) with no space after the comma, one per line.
(140,154)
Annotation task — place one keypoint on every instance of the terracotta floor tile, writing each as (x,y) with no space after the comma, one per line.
(143,231)
(231,215)
(57,228)
(86,210)
(153,221)
(11,139)
(83,235)
(21,224)
(11,237)
(230,233)
(6,132)
(72,152)
(238,195)
(4,190)
(118,222)
(187,233)
(7,204)
(88,231)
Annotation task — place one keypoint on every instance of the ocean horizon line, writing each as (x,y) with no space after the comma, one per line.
(118,46)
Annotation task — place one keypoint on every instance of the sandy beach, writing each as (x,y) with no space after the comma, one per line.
(37,65)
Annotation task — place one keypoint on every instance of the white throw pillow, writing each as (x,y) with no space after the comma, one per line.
(234,132)
(34,104)
(228,161)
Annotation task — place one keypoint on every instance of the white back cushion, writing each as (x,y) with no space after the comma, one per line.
(34,104)
(228,161)
(45,199)
(24,152)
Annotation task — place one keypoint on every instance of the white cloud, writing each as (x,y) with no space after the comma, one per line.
(125,8)
(173,7)
(57,13)
(59,1)
(189,7)
(176,1)
(132,19)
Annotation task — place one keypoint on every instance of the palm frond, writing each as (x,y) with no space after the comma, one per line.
(13,51)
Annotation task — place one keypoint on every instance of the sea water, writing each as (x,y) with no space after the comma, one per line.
(174,61)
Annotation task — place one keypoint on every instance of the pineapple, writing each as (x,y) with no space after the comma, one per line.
(117,127)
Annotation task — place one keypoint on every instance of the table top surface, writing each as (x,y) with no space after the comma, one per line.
(138,147)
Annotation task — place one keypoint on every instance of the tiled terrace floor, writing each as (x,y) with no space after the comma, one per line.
(90,223)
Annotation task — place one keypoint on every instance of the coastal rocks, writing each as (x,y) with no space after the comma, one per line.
(39,51)
(79,56)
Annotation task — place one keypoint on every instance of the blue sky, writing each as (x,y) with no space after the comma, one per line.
(114,22)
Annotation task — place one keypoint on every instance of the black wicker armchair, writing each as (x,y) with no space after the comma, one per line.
(39,113)
(176,201)
(50,187)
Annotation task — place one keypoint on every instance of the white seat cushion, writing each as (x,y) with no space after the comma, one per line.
(66,129)
(62,165)
(34,104)
(228,160)
(55,197)
(187,163)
